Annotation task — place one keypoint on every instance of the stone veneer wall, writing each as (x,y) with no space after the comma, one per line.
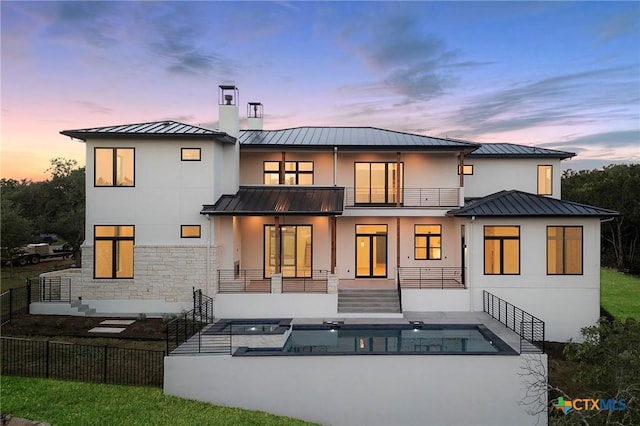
(163,273)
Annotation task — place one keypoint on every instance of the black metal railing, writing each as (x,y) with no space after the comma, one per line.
(399,288)
(529,328)
(409,197)
(316,282)
(243,281)
(54,289)
(15,301)
(89,363)
(431,278)
(188,324)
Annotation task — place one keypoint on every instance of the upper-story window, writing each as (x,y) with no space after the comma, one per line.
(502,250)
(190,154)
(295,173)
(378,183)
(114,167)
(545,179)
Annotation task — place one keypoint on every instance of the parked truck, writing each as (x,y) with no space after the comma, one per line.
(34,253)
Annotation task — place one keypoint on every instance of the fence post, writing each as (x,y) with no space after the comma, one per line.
(47,353)
(28,291)
(105,363)
(10,304)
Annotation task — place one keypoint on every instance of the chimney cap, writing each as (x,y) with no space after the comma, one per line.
(227,87)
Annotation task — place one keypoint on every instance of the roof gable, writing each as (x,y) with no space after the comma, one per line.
(154,129)
(518,203)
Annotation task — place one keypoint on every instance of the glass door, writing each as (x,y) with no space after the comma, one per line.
(371,251)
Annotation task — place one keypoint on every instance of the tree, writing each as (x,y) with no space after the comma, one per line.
(15,229)
(615,187)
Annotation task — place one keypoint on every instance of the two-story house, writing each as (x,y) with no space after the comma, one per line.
(329,222)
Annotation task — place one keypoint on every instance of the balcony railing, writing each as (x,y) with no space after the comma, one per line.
(243,281)
(431,278)
(316,283)
(409,197)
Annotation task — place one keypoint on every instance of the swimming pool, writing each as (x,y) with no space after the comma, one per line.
(366,339)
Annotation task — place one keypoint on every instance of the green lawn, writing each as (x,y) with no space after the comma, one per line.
(73,403)
(620,294)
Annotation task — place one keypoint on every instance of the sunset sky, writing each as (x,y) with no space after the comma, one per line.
(562,75)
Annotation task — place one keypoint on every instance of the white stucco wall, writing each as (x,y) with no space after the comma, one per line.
(491,175)
(272,305)
(361,389)
(565,303)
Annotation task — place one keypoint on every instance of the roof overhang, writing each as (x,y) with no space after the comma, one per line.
(83,136)
(279,200)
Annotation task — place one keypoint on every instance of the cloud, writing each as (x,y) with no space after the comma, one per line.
(619,25)
(612,139)
(406,59)
(580,97)
(93,107)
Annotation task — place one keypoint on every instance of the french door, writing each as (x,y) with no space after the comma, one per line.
(371,251)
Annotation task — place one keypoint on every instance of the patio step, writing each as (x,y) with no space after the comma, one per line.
(368,301)
(82,308)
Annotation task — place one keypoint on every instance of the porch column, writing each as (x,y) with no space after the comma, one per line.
(277,231)
(332,224)
(282,166)
(461,168)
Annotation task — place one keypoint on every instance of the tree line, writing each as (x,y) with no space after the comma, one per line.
(615,187)
(56,205)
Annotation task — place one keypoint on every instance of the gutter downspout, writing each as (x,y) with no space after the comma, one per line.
(335,165)
(209,280)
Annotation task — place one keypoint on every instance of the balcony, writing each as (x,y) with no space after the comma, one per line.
(431,278)
(253,281)
(409,197)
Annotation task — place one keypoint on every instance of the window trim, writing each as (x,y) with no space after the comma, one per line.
(428,236)
(386,186)
(564,251)
(182,150)
(182,229)
(114,171)
(501,239)
(550,179)
(114,263)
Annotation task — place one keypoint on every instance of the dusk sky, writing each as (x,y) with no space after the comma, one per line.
(561,75)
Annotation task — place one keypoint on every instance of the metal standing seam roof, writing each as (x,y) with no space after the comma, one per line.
(518,203)
(279,200)
(168,128)
(351,137)
(512,150)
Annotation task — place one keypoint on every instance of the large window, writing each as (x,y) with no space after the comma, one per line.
(378,183)
(114,166)
(295,173)
(296,251)
(545,179)
(113,256)
(428,242)
(501,250)
(564,250)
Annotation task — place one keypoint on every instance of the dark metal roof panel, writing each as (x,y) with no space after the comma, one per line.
(353,137)
(512,150)
(279,200)
(518,203)
(167,128)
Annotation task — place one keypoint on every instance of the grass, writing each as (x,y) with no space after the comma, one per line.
(72,403)
(620,294)
(17,276)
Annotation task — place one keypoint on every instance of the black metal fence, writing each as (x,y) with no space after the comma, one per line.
(431,277)
(529,328)
(51,289)
(243,281)
(15,301)
(88,363)
(181,329)
(317,282)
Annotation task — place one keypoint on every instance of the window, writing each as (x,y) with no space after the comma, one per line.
(467,169)
(501,250)
(190,154)
(271,172)
(114,166)
(545,178)
(377,183)
(564,250)
(113,251)
(190,231)
(295,250)
(298,173)
(428,242)
(295,173)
